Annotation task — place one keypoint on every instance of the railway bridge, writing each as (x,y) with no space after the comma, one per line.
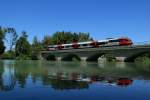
(120,53)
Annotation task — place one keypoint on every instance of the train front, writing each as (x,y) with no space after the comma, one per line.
(125,41)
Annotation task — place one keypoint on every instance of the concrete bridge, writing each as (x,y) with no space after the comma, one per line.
(121,53)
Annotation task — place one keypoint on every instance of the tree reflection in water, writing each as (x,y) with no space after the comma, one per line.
(63,77)
(1,73)
(7,82)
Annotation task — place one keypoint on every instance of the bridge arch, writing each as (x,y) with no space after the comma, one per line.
(133,57)
(95,56)
(71,57)
(50,57)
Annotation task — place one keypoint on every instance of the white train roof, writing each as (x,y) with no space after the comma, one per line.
(52,46)
(87,42)
(67,44)
(102,40)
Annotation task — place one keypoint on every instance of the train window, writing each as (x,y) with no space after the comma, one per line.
(84,44)
(68,46)
(113,40)
(101,43)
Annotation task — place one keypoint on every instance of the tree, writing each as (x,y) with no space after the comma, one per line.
(68,37)
(36,44)
(47,41)
(83,36)
(75,37)
(23,46)
(2,47)
(11,37)
(36,48)
(62,37)
(2,35)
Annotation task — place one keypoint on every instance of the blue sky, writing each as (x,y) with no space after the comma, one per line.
(101,18)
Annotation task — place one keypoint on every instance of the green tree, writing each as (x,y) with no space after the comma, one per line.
(2,35)
(23,47)
(2,47)
(75,37)
(68,37)
(11,37)
(36,44)
(47,40)
(83,36)
(36,48)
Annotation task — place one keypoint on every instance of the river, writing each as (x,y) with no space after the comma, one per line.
(45,80)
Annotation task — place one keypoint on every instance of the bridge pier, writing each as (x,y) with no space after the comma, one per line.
(83,59)
(58,58)
(102,59)
(120,59)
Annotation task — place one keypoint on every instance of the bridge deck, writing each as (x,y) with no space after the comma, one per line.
(100,48)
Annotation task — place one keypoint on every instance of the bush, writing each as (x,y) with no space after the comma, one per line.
(143,59)
(8,55)
(110,58)
(35,56)
(23,57)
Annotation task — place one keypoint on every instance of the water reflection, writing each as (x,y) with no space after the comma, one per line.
(81,81)
(65,75)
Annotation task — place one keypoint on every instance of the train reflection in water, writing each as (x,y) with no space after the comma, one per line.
(83,79)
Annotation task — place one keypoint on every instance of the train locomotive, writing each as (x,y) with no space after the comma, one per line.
(92,44)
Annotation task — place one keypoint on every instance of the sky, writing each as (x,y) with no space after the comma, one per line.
(101,18)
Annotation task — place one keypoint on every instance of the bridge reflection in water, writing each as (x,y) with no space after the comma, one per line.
(67,75)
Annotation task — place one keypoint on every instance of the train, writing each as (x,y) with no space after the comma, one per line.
(109,42)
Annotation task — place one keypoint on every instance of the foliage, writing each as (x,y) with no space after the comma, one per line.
(23,46)
(2,35)
(36,48)
(143,59)
(138,57)
(8,55)
(47,40)
(65,37)
(23,57)
(2,47)
(36,44)
(11,37)
(110,58)
(35,56)
(62,37)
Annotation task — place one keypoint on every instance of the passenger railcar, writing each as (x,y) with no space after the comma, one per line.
(92,44)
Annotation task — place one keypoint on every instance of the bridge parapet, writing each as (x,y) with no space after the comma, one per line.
(143,43)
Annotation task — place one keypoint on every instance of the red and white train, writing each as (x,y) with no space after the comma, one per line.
(92,44)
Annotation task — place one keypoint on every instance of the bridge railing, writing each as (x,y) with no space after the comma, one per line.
(142,43)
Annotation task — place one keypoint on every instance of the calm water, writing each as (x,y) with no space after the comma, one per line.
(39,80)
